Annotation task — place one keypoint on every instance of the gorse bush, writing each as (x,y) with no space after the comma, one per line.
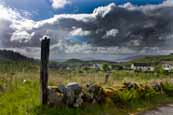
(127,95)
(147,92)
(142,92)
(167,88)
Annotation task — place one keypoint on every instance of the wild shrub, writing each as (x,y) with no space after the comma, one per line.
(125,96)
(147,92)
(129,95)
(167,88)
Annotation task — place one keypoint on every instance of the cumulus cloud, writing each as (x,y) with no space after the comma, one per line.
(104,10)
(14,27)
(111,33)
(21,36)
(70,48)
(80,32)
(8,13)
(59,3)
(127,28)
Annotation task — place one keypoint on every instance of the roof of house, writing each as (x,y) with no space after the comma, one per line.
(142,64)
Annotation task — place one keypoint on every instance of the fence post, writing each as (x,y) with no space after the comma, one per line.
(45,43)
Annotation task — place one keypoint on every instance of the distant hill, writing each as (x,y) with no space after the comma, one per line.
(78,61)
(138,59)
(153,59)
(11,55)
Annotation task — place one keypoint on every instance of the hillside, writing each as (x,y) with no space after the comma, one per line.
(73,61)
(153,59)
(15,56)
(20,90)
(11,55)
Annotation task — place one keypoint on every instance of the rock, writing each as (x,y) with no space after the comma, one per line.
(95,93)
(130,85)
(54,98)
(109,92)
(100,98)
(94,101)
(79,100)
(74,96)
(92,88)
(73,86)
(72,93)
(69,96)
(157,87)
(61,88)
(86,97)
(53,88)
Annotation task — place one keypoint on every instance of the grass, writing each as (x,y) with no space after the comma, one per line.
(154,59)
(19,90)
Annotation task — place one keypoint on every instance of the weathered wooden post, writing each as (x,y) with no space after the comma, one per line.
(45,43)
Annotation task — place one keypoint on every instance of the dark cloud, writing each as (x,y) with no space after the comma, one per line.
(132,25)
(149,28)
(107,29)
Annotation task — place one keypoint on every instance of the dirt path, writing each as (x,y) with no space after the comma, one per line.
(165,110)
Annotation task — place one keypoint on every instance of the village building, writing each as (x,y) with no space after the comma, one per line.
(167,66)
(144,67)
(91,66)
(117,67)
(97,66)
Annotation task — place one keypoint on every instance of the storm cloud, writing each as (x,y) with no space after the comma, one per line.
(108,29)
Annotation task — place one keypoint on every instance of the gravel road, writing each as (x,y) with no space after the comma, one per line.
(165,110)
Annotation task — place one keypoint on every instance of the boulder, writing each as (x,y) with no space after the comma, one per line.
(157,87)
(79,101)
(93,88)
(72,94)
(74,86)
(61,88)
(95,93)
(129,85)
(109,92)
(69,96)
(55,98)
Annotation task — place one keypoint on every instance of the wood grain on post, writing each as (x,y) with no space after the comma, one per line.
(45,43)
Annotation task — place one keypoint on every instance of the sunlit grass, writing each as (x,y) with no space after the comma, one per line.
(20,95)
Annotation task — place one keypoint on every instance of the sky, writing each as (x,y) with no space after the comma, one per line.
(88,29)
(43,9)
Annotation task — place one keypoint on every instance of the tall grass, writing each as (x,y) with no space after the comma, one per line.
(20,94)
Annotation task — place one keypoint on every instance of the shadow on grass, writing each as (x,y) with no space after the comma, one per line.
(89,110)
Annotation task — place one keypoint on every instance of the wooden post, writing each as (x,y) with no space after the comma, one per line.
(45,43)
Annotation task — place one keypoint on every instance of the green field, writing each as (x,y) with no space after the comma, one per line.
(19,90)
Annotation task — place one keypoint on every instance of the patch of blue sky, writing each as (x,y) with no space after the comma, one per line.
(42,9)
(78,39)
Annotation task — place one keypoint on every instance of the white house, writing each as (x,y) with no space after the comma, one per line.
(167,65)
(145,67)
(96,66)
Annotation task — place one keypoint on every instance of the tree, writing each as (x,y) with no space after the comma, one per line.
(107,69)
